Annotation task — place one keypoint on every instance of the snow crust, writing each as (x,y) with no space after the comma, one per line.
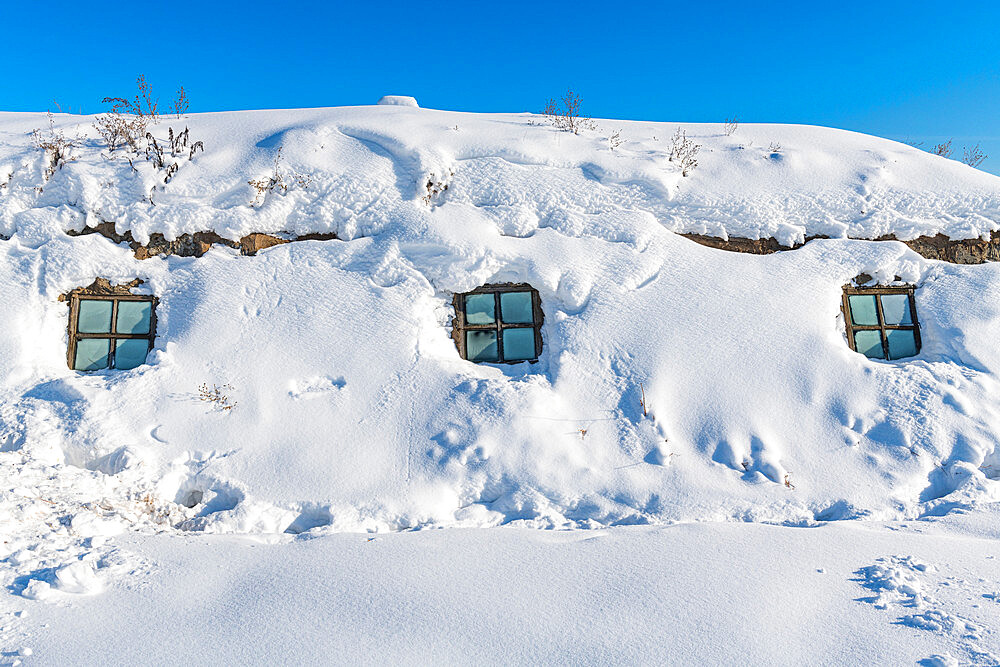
(353,410)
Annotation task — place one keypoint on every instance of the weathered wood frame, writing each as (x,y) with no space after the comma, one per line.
(881,327)
(74,313)
(460,326)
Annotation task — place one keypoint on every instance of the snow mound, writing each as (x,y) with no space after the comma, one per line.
(398,100)
(676,382)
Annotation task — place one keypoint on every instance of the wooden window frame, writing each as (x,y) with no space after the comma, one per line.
(881,327)
(460,326)
(75,336)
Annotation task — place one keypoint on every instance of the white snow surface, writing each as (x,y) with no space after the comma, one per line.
(352,410)
(398,100)
(846,593)
(511,173)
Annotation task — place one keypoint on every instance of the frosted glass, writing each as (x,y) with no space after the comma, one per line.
(869,343)
(902,343)
(130,353)
(481,346)
(863,309)
(479,309)
(92,353)
(515,308)
(133,317)
(94,316)
(518,344)
(896,309)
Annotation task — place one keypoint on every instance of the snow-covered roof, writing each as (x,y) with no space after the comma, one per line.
(367,166)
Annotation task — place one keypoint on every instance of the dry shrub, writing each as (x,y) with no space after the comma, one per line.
(180,105)
(276,182)
(125,124)
(683,152)
(568,116)
(57,147)
(615,140)
(944,150)
(216,394)
(973,156)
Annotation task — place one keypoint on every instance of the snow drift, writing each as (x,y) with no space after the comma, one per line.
(677,382)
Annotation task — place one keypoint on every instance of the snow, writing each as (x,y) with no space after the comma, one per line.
(398,100)
(511,171)
(704,593)
(695,392)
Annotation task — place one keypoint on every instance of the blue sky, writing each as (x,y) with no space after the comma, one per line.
(914,71)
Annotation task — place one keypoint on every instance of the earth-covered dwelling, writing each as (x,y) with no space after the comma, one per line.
(388,317)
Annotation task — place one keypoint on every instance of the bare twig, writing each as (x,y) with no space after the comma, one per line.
(683,152)
(568,116)
(944,150)
(57,147)
(216,394)
(180,105)
(973,156)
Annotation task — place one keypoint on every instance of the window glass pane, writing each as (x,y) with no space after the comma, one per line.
(130,353)
(863,309)
(92,354)
(896,309)
(94,316)
(515,308)
(481,345)
(869,343)
(518,344)
(133,317)
(902,343)
(479,308)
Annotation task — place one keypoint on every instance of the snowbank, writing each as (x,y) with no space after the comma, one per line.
(353,409)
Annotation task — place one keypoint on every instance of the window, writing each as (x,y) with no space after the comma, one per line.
(110,330)
(882,321)
(498,324)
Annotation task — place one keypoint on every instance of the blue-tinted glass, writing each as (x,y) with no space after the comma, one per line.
(130,353)
(518,344)
(896,309)
(481,345)
(133,317)
(94,316)
(479,309)
(902,343)
(869,343)
(515,308)
(92,354)
(863,310)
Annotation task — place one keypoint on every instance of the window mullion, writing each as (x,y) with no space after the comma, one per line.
(913,318)
(113,342)
(496,317)
(74,338)
(881,325)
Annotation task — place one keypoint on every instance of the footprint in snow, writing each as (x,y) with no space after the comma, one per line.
(905,585)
